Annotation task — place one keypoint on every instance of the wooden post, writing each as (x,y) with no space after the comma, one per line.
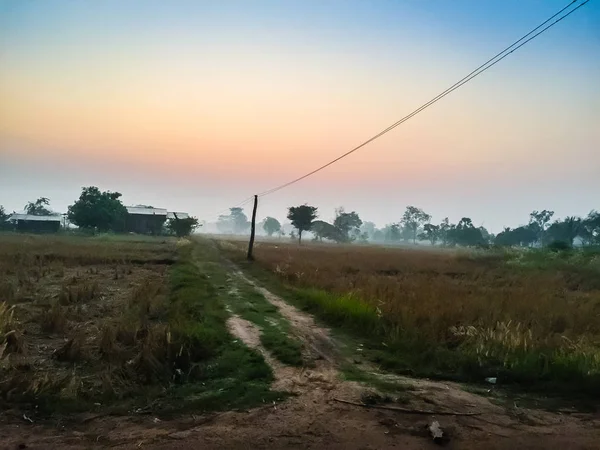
(252,230)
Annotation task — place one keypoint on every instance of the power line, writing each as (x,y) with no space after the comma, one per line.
(482,68)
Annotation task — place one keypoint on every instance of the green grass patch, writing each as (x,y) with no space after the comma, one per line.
(275,330)
(218,371)
(244,301)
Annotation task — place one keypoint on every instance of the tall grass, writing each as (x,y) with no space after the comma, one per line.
(526,316)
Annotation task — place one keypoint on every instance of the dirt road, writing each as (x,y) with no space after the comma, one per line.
(313,417)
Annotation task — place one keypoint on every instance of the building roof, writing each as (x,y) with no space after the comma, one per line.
(32,218)
(180,215)
(144,210)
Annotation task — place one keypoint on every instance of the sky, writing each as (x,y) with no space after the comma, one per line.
(197,105)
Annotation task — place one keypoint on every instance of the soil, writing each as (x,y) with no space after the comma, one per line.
(314,418)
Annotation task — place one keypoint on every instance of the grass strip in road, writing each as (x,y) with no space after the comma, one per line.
(243,300)
(276,334)
(219,372)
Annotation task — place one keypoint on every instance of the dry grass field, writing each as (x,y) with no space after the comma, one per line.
(77,316)
(531,317)
(119,322)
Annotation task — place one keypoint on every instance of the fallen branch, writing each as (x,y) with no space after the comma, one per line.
(408,411)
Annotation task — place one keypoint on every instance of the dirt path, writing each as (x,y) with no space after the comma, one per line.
(312,418)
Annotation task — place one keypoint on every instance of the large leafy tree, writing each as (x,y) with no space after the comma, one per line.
(347,223)
(302,218)
(97,210)
(39,207)
(412,219)
(271,226)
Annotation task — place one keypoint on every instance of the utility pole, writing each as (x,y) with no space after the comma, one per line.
(252,230)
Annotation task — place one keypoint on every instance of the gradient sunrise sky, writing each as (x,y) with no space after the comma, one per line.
(196,105)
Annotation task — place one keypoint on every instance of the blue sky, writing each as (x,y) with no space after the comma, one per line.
(195,105)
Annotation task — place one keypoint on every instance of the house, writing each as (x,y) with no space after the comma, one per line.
(28,223)
(145,219)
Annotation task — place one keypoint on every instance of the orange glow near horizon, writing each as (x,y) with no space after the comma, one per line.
(268,98)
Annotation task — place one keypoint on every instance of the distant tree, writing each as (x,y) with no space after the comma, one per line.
(430,233)
(347,223)
(236,222)
(444,227)
(538,223)
(240,220)
(324,230)
(392,232)
(4,224)
(102,211)
(302,218)
(271,226)
(527,235)
(590,229)
(412,219)
(182,227)
(224,224)
(465,234)
(485,234)
(370,229)
(566,230)
(378,235)
(505,238)
(523,236)
(39,207)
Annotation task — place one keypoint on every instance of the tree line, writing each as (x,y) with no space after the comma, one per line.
(99,211)
(416,225)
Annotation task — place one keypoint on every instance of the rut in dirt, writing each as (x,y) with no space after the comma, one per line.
(317,339)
